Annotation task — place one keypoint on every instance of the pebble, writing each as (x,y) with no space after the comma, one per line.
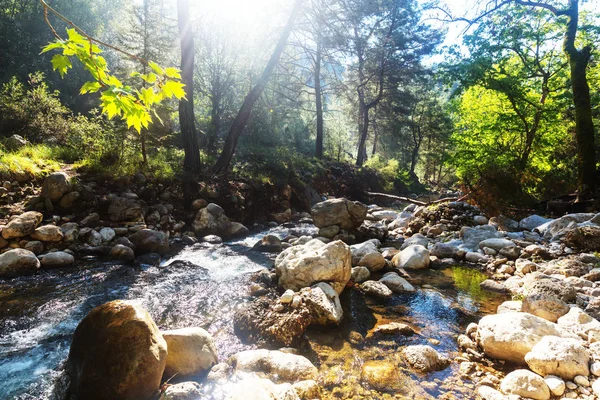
(582,381)
(555,384)
(595,368)
(287,297)
(571,385)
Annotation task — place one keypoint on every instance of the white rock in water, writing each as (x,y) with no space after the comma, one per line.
(425,358)
(497,243)
(272,363)
(555,384)
(563,357)
(525,383)
(107,234)
(412,257)
(287,297)
(303,266)
(360,274)
(488,393)
(190,351)
(375,288)
(581,381)
(396,283)
(595,368)
(510,336)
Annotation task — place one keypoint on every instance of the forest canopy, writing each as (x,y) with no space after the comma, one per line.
(492,101)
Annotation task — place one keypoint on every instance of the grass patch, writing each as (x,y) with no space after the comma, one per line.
(36,160)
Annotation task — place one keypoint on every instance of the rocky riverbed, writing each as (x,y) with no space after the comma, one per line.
(346,301)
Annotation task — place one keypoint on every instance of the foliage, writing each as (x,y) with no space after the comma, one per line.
(134,106)
(36,113)
(395,177)
(34,160)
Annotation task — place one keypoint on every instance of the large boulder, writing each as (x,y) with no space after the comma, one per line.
(526,384)
(473,236)
(211,220)
(18,262)
(346,214)
(425,358)
(22,225)
(122,209)
(303,266)
(564,357)
(360,250)
(412,257)
(117,353)
(274,364)
(190,351)
(48,233)
(510,336)
(585,238)
(150,241)
(55,186)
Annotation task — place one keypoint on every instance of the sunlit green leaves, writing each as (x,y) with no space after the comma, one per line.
(134,106)
(61,64)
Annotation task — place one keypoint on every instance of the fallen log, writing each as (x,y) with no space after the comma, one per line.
(413,201)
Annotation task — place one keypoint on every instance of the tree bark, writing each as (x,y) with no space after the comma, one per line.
(363,125)
(187,120)
(584,125)
(239,123)
(319,104)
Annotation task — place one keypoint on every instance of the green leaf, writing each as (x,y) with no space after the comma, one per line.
(75,37)
(61,64)
(174,89)
(90,87)
(52,46)
(173,73)
(156,68)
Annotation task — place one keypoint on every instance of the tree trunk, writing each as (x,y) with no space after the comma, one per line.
(363,125)
(414,157)
(319,104)
(239,123)
(186,107)
(584,125)
(215,123)
(375,138)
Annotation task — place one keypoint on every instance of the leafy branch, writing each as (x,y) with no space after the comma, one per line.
(134,106)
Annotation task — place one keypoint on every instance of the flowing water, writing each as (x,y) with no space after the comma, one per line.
(202,286)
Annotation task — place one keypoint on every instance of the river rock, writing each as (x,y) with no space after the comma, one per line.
(35,246)
(373,261)
(149,241)
(117,352)
(68,200)
(91,220)
(496,243)
(526,384)
(122,209)
(323,304)
(584,238)
(545,305)
(212,220)
(55,186)
(57,259)
(396,283)
(443,250)
(551,287)
(22,225)
(564,357)
(329,232)
(555,384)
(412,257)
(346,214)
(473,236)
(510,336)
(94,239)
(303,266)
(122,253)
(416,239)
(308,389)
(18,262)
(274,364)
(183,391)
(260,389)
(395,328)
(424,358)
(578,322)
(15,142)
(268,244)
(48,233)
(532,222)
(493,286)
(504,223)
(362,249)
(360,274)
(377,289)
(381,375)
(489,393)
(107,234)
(190,351)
